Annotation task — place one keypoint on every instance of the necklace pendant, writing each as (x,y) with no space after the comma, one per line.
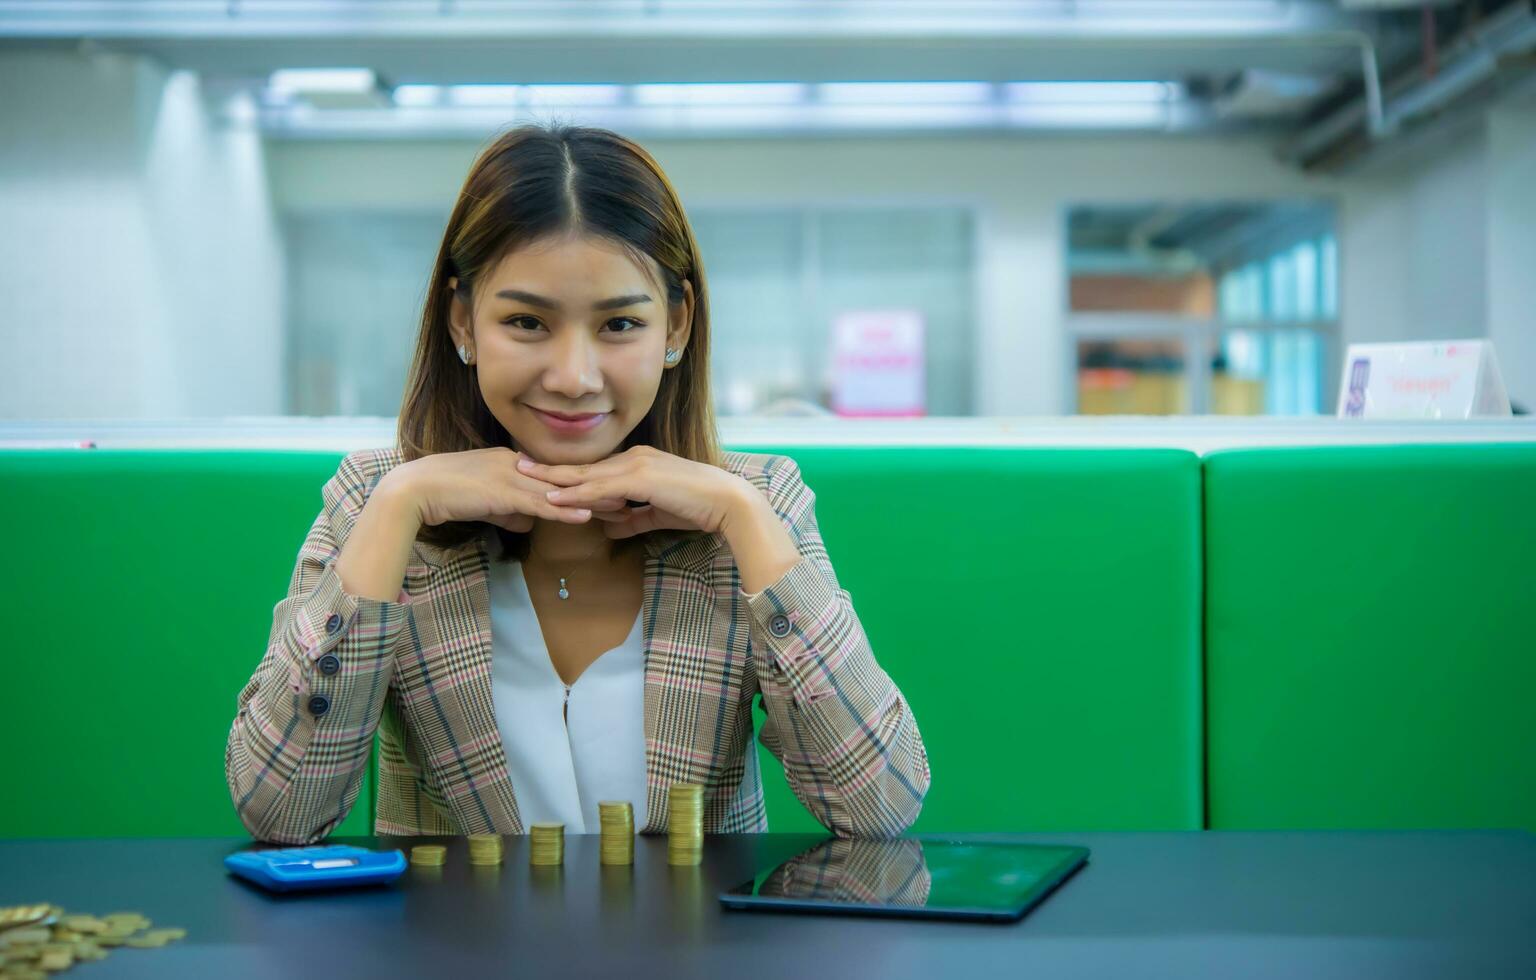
(564,593)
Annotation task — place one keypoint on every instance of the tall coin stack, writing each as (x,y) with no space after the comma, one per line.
(685,828)
(547,843)
(617,821)
(485,849)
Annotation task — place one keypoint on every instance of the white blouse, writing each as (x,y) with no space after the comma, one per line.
(567,747)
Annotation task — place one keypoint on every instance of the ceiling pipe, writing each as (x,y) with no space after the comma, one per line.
(1474,59)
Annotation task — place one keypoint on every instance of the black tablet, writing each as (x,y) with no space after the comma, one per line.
(939,879)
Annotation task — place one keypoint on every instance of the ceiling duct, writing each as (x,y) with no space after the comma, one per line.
(1496,50)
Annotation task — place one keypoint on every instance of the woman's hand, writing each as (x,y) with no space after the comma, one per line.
(484,485)
(674,492)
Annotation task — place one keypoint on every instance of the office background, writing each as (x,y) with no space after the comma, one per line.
(1097,207)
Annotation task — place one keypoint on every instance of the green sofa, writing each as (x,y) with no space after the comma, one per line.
(1091,639)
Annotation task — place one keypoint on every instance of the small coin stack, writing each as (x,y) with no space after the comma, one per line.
(429,855)
(617,822)
(39,939)
(685,828)
(485,849)
(546,845)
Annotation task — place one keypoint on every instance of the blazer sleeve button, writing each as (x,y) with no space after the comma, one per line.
(319,705)
(779,625)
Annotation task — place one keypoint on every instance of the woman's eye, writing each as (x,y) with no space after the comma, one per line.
(633,323)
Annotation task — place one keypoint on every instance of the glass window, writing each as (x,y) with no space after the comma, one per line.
(1132,377)
(777,278)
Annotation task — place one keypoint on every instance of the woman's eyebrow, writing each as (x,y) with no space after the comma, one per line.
(533,299)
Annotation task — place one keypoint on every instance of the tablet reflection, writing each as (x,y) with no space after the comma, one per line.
(876,872)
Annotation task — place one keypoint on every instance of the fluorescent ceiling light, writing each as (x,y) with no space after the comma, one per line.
(550,95)
(482,94)
(338,81)
(1125,115)
(413,96)
(727,94)
(904,93)
(1092,93)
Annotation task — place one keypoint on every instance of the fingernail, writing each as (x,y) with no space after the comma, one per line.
(552,494)
(525,463)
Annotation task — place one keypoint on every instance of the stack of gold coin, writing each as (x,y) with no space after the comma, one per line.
(546,844)
(485,849)
(617,822)
(685,828)
(429,855)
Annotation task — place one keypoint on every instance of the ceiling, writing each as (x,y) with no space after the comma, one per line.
(1306,69)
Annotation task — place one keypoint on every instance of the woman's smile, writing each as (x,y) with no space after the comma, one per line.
(569,425)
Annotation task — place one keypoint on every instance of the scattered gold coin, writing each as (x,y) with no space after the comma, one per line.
(20,915)
(38,940)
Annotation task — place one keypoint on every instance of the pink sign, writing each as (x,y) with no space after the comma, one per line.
(877,364)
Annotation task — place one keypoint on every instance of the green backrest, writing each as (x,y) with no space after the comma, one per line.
(1371,637)
(1039,609)
(138,601)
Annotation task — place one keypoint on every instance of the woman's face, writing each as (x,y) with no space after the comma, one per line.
(573,327)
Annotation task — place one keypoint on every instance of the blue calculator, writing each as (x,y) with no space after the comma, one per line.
(316,866)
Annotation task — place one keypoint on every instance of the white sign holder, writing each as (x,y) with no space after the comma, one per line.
(1444,379)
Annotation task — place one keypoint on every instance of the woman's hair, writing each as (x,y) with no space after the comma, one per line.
(532,184)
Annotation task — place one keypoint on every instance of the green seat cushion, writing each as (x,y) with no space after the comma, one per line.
(1370,621)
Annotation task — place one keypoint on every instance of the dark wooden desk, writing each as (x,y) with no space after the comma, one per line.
(1455,904)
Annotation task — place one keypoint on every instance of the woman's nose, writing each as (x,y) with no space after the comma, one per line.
(575,369)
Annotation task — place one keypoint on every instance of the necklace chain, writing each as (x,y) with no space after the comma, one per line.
(564,592)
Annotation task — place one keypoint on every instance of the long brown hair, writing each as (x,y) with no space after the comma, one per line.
(533,183)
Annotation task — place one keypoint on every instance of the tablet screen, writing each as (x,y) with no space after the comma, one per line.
(958,876)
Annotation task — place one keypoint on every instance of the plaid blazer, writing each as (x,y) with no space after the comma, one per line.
(417,671)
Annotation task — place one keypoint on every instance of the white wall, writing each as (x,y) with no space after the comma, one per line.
(140,269)
(1512,246)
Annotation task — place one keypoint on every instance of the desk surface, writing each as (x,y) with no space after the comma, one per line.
(1354,904)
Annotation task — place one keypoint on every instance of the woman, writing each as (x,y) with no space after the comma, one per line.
(558,589)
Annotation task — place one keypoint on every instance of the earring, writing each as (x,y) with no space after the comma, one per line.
(673,355)
(465,354)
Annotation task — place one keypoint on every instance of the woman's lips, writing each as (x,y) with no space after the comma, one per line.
(558,424)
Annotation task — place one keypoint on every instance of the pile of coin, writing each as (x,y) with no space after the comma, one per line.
(485,849)
(617,824)
(546,844)
(429,855)
(685,828)
(39,939)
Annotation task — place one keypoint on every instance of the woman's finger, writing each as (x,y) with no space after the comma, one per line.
(586,493)
(607,503)
(567,474)
(537,505)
